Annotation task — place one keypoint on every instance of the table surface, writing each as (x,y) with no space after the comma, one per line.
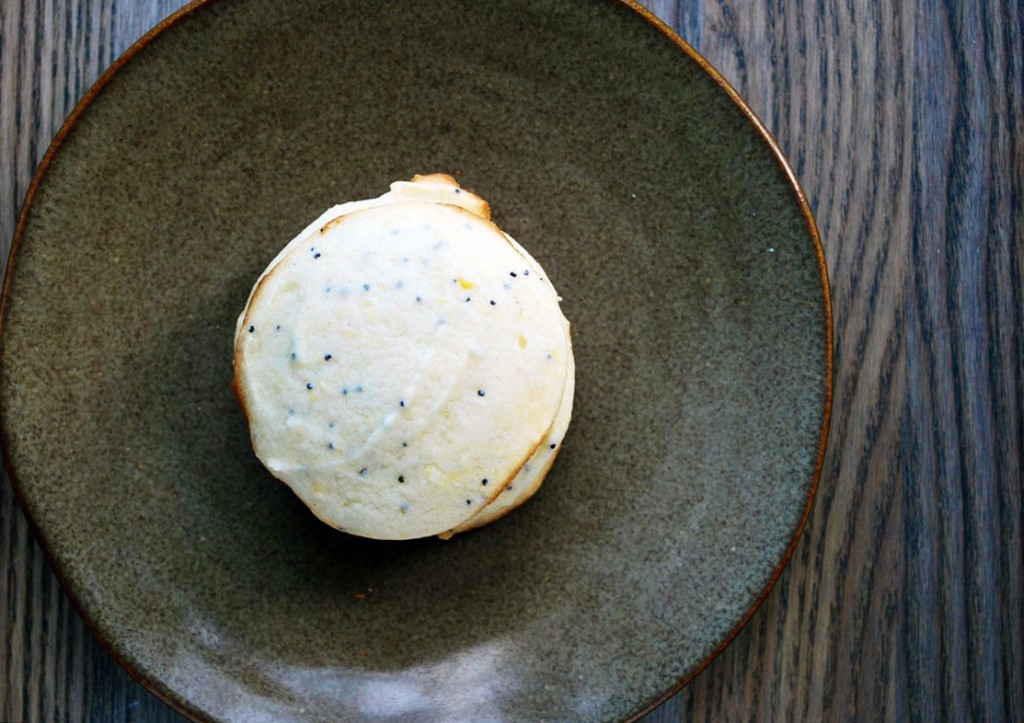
(905,125)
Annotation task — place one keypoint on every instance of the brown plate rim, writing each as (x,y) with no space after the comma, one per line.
(169,697)
(826,293)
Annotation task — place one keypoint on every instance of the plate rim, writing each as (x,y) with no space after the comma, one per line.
(177,702)
(826,413)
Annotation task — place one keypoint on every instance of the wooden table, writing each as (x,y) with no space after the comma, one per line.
(905,124)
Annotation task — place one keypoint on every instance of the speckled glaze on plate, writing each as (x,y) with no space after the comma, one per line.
(691,271)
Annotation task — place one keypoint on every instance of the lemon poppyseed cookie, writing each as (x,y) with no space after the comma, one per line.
(404,365)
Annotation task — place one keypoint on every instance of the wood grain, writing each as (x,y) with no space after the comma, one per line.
(905,124)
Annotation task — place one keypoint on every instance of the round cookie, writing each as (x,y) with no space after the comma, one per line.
(402,361)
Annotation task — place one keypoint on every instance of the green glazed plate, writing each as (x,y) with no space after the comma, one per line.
(690,268)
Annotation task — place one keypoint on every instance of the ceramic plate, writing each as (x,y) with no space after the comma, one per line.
(689,267)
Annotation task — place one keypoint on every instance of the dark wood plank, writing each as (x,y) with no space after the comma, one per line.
(905,600)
